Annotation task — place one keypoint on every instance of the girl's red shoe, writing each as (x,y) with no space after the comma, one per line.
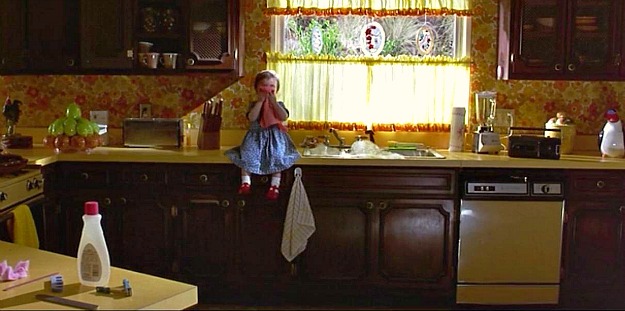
(273,193)
(245,188)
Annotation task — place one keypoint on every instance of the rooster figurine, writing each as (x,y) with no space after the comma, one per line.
(611,142)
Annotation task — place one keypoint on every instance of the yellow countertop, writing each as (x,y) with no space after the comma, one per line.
(589,160)
(148,292)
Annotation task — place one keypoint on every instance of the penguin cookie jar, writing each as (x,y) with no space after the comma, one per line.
(611,142)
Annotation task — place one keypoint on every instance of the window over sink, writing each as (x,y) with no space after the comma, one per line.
(402,71)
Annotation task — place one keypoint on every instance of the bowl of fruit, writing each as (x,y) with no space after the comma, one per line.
(72,133)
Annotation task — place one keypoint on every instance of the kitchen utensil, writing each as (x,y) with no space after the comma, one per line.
(30,281)
(210,125)
(66,302)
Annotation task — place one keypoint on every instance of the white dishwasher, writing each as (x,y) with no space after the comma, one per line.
(510,237)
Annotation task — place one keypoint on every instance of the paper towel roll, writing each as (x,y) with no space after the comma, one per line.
(456,133)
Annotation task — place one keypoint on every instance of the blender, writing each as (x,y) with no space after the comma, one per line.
(485,139)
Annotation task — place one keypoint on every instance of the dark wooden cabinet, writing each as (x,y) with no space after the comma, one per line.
(560,40)
(39,36)
(594,272)
(95,37)
(106,34)
(389,228)
(378,230)
(13,32)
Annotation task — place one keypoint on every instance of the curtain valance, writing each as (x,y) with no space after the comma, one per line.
(368,7)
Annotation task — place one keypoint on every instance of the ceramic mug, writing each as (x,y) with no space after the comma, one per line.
(168,60)
(149,60)
(144,47)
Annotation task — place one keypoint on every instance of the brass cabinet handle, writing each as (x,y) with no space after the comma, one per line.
(123,201)
(571,67)
(107,201)
(264,179)
(143,177)
(70,62)
(369,205)
(621,209)
(383,205)
(174,211)
(190,61)
(600,184)
(558,67)
(241,203)
(84,176)
(225,203)
(203,178)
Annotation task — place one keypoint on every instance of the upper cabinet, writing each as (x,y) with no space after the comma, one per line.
(106,34)
(39,36)
(120,36)
(560,40)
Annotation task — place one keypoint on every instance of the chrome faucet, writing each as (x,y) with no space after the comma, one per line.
(336,135)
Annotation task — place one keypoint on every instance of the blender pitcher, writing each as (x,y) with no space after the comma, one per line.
(485,139)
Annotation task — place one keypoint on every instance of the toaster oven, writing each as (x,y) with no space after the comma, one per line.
(153,132)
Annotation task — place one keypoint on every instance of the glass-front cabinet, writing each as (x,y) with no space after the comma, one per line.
(187,35)
(559,39)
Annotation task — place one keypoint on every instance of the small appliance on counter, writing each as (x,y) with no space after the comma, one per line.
(611,141)
(485,139)
(534,146)
(154,132)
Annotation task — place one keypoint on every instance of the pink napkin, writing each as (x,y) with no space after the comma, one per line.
(7,273)
(268,116)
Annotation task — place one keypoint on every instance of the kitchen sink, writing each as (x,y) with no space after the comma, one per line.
(345,152)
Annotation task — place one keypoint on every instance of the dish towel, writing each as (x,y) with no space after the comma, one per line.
(299,223)
(24,229)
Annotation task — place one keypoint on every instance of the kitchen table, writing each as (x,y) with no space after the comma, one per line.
(148,292)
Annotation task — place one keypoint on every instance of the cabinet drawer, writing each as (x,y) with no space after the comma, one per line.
(145,175)
(203,175)
(84,176)
(379,180)
(596,183)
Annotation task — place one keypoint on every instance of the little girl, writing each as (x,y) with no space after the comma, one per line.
(266,148)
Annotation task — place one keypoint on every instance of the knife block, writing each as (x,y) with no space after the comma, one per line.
(208,139)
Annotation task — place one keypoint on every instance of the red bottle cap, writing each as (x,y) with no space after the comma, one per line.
(91,208)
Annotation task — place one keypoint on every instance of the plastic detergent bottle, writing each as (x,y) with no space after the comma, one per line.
(94,265)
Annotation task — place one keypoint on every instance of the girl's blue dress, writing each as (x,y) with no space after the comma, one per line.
(264,151)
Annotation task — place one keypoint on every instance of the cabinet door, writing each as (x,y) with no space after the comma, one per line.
(593,260)
(105,34)
(594,32)
(536,39)
(259,238)
(52,35)
(146,233)
(415,242)
(339,250)
(13,35)
(215,32)
(206,237)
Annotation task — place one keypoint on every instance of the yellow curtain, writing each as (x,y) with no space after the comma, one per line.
(368,90)
(368,7)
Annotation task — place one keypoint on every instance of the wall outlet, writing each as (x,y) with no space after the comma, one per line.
(99,116)
(145,110)
(502,119)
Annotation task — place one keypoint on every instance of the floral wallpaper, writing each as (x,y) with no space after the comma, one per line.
(46,96)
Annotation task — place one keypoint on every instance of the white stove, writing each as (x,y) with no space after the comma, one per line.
(19,187)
